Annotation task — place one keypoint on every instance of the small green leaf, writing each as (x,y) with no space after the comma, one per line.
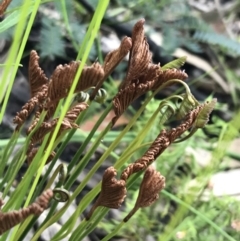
(189,102)
(175,64)
(167,111)
(203,115)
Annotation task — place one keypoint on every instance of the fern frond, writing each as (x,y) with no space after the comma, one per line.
(175,64)
(232,47)
(51,43)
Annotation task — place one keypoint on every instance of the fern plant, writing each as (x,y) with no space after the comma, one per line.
(59,104)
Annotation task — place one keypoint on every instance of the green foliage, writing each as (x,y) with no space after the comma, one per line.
(228,45)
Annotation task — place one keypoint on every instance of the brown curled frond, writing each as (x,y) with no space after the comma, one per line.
(44,199)
(153,182)
(114,57)
(113,191)
(140,56)
(28,108)
(36,76)
(133,91)
(74,112)
(123,99)
(67,123)
(10,219)
(157,147)
(163,140)
(90,76)
(151,75)
(32,153)
(111,60)
(3,6)
(42,131)
(63,76)
(61,80)
(167,75)
(47,127)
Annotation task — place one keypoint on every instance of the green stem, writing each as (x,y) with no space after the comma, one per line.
(15,45)
(114,232)
(89,137)
(65,17)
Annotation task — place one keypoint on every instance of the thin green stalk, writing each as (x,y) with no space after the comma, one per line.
(25,226)
(65,17)
(25,183)
(7,152)
(85,160)
(69,136)
(97,218)
(18,42)
(92,31)
(66,104)
(50,221)
(15,166)
(11,172)
(86,200)
(114,232)
(89,137)
(100,8)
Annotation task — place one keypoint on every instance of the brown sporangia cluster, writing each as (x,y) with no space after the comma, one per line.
(142,75)
(153,182)
(10,219)
(47,92)
(3,6)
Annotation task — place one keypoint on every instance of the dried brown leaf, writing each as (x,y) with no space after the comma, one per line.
(167,75)
(111,60)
